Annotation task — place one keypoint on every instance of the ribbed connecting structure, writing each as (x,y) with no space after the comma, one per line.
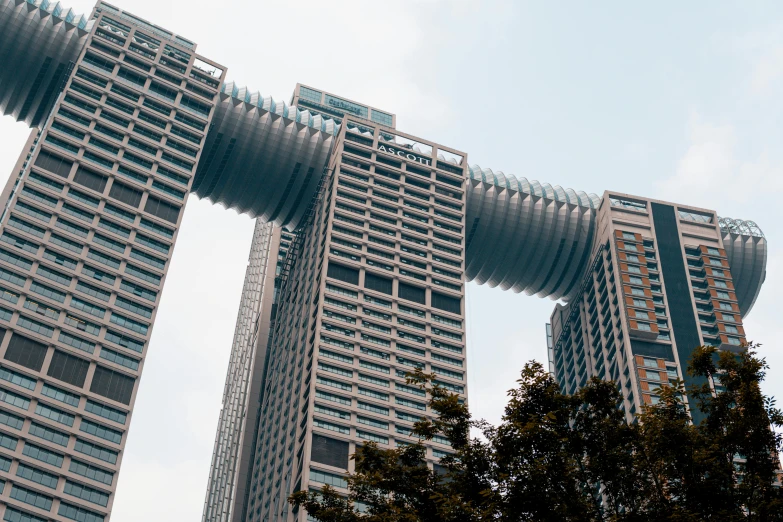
(746,249)
(527,236)
(38,42)
(264,158)
(260,162)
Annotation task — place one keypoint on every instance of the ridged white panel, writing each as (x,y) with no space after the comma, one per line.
(747,253)
(250,155)
(37,40)
(527,236)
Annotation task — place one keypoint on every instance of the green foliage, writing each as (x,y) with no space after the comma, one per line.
(558,457)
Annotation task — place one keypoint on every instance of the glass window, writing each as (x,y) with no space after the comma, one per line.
(628,204)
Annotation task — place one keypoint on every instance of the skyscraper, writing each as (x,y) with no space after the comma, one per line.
(659,284)
(364,240)
(89,223)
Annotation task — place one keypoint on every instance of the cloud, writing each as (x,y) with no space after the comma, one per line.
(767,71)
(713,170)
(762,49)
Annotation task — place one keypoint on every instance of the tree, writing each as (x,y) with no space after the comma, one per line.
(558,457)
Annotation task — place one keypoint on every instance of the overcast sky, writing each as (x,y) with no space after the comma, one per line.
(679,101)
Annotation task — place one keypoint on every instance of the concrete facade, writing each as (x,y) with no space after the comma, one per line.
(89,223)
(659,285)
(376,289)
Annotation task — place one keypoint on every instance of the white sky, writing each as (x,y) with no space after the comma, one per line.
(667,100)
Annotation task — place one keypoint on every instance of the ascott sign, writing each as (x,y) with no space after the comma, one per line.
(405,154)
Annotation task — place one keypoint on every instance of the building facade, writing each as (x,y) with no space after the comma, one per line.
(89,223)
(365,239)
(658,285)
(374,291)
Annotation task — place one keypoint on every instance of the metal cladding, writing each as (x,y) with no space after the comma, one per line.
(746,248)
(259,161)
(38,43)
(527,236)
(265,158)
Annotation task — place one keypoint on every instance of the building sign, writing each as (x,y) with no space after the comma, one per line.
(346,106)
(405,154)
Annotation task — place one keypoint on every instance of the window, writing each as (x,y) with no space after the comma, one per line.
(106,412)
(60,395)
(54,414)
(90,179)
(94,450)
(641,303)
(731,329)
(112,384)
(634,269)
(53,163)
(86,493)
(52,435)
(377,283)
(331,452)
(17,378)
(343,273)
(410,404)
(42,454)
(159,208)
(118,358)
(125,193)
(91,472)
(26,352)
(31,497)
(650,363)
(373,408)
(68,368)
(78,513)
(318,423)
(100,431)
(36,475)
(722,295)
(380,439)
(627,204)
(331,479)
